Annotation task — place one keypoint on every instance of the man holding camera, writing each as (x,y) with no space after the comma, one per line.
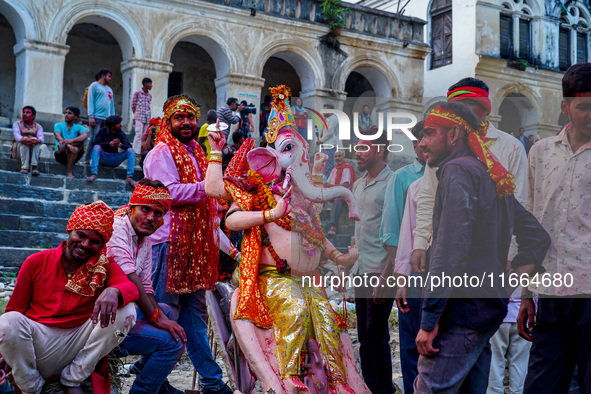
(225,114)
(246,126)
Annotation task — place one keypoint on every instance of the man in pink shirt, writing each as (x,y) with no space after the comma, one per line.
(185,254)
(157,338)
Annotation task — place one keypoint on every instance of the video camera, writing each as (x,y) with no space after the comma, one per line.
(249,109)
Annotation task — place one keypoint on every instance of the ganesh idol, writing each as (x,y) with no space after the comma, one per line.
(280,321)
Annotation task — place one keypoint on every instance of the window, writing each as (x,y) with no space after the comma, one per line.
(564,60)
(524,39)
(506,36)
(581,47)
(441,33)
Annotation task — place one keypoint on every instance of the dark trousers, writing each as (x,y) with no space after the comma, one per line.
(462,364)
(337,209)
(409,325)
(561,339)
(374,338)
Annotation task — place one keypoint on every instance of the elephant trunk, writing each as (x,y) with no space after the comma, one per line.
(302,182)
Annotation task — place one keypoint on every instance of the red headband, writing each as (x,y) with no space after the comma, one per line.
(148,195)
(96,216)
(478,144)
(469,92)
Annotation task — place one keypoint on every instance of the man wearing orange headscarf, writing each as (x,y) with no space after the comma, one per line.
(474,216)
(185,254)
(63,315)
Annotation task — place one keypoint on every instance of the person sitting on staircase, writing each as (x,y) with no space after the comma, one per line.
(106,147)
(28,138)
(69,140)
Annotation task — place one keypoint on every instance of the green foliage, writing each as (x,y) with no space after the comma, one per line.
(3,303)
(523,63)
(333,13)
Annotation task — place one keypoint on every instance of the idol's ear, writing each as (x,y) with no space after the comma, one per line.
(265,162)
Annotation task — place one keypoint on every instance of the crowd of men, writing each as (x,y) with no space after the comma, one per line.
(471,203)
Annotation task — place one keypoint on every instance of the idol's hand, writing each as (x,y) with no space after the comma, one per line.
(320,160)
(216,138)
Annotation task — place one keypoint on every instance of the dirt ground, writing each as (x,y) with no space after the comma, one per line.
(182,376)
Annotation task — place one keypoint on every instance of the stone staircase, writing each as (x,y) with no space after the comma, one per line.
(35,209)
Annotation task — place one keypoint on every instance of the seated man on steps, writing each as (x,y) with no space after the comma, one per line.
(159,340)
(69,140)
(63,315)
(106,149)
(27,141)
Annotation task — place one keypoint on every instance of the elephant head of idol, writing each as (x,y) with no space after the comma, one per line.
(285,159)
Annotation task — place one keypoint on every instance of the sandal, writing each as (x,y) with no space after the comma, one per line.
(24,171)
(35,172)
(332,231)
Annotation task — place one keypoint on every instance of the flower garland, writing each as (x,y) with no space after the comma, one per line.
(308,225)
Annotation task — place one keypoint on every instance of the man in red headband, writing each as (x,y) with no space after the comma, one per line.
(51,325)
(186,248)
(159,339)
(474,216)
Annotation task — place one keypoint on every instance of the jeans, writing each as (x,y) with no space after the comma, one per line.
(462,364)
(99,156)
(507,343)
(192,313)
(409,324)
(92,132)
(160,348)
(374,339)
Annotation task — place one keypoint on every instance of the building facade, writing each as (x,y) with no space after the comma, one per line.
(520,48)
(211,49)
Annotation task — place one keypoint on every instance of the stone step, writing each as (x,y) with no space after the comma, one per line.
(61,182)
(31,239)
(32,223)
(45,209)
(50,166)
(14,257)
(63,195)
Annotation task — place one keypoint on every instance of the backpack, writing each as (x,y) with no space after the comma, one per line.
(85,98)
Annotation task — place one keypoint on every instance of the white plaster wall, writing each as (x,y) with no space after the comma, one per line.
(464,45)
(146,32)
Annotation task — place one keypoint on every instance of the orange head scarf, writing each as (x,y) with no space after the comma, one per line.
(98,217)
(194,240)
(147,195)
(478,143)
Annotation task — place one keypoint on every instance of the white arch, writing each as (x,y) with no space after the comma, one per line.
(530,7)
(531,115)
(121,25)
(577,13)
(382,78)
(24,23)
(293,51)
(203,34)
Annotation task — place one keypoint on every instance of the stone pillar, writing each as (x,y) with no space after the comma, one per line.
(40,79)
(133,71)
(495,119)
(243,87)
